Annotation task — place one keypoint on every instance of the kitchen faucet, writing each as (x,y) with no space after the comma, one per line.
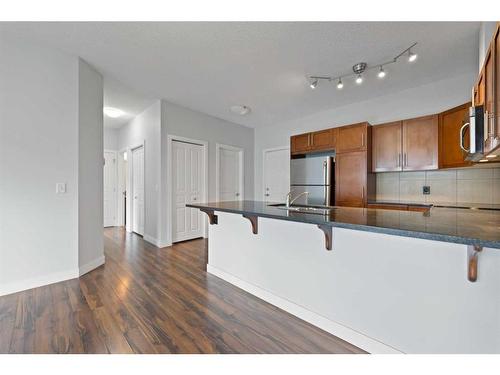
(289,201)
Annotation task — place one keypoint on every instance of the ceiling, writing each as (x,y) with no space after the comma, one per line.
(210,66)
(118,95)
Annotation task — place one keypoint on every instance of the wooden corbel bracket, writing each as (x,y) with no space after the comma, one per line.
(255,222)
(328,231)
(472,259)
(212,217)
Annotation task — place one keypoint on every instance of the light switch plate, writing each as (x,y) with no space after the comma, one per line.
(61,188)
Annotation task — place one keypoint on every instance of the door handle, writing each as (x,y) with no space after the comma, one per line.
(462,134)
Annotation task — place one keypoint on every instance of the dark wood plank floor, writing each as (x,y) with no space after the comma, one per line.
(150,300)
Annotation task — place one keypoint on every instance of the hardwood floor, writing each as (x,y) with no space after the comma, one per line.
(150,300)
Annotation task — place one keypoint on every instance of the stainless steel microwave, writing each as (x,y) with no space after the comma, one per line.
(475,151)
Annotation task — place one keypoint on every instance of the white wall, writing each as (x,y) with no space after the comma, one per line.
(39,146)
(418,101)
(90,168)
(111,139)
(145,127)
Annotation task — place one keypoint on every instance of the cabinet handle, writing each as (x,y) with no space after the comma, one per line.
(399,159)
(363,193)
(362,139)
(405,160)
(462,133)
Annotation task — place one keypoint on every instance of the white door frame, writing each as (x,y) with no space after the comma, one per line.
(264,151)
(170,191)
(241,151)
(115,153)
(120,217)
(130,184)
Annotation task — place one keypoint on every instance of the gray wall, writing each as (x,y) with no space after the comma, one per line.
(111,138)
(90,166)
(145,127)
(45,96)
(418,101)
(38,147)
(184,122)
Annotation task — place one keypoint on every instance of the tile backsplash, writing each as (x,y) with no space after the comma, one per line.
(471,185)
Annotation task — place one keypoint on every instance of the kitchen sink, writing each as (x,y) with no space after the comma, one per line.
(319,210)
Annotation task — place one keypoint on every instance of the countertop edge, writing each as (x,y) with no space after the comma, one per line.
(361,227)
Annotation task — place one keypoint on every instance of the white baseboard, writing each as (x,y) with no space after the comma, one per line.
(36,282)
(155,241)
(92,265)
(356,338)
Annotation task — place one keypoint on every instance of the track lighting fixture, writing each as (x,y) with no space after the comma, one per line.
(381,72)
(361,67)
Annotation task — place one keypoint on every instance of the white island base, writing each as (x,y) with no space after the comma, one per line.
(382,293)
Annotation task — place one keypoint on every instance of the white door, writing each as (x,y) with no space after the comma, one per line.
(109,188)
(188,187)
(276,174)
(138,190)
(230,173)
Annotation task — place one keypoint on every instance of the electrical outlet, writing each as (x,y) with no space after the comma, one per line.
(426,190)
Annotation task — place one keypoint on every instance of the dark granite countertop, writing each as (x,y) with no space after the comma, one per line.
(471,227)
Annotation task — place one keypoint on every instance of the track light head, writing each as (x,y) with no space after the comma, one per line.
(313,84)
(411,56)
(381,72)
(340,85)
(359,79)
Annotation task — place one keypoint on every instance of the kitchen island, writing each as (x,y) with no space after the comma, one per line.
(387,281)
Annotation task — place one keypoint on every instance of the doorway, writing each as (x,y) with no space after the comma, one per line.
(137,191)
(229,173)
(109,188)
(188,186)
(276,174)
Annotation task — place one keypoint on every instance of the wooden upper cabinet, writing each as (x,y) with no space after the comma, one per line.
(386,147)
(353,137)
(450,123)
(300,143)
(496,40)
(489,96)
(479,90)
(323,139)
(351,179)
(420,143)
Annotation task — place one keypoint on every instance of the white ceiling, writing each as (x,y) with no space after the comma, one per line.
(210,66)
(118,95)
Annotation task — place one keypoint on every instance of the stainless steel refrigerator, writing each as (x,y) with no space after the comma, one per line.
(316,175)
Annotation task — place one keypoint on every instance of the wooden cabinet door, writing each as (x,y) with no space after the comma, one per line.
(323,140)
(450,123)
(489,97)
(351,179)
(300,143)
(497,87)
(479,90)
(420,143)
(386,147)
(352,138)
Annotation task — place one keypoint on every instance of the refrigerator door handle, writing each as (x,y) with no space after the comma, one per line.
(325,172)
